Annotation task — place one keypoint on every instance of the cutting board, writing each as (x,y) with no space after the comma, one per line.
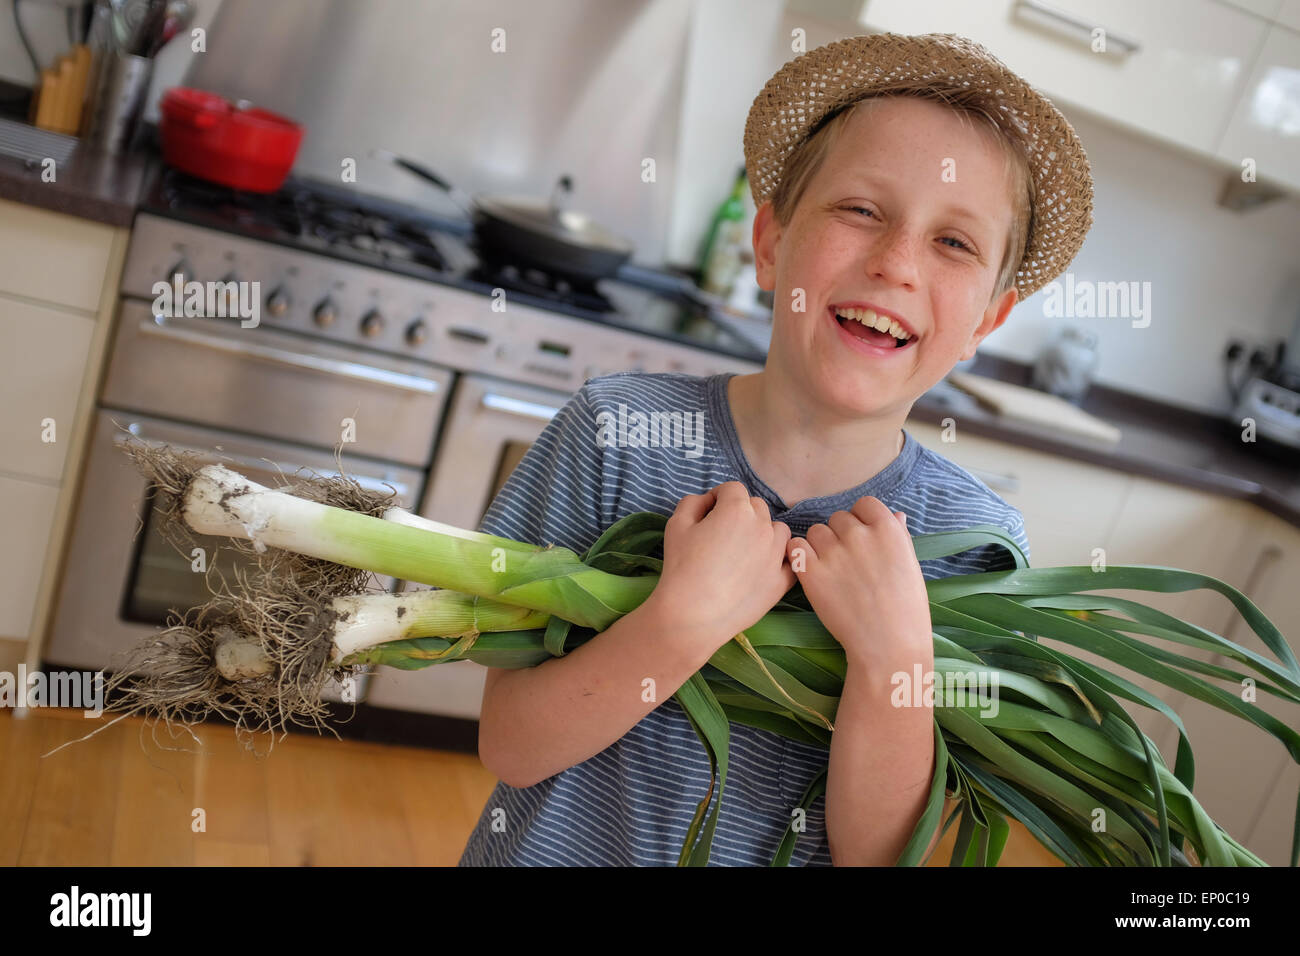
(1031,405)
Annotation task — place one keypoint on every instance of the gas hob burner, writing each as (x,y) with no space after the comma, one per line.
(308,217)
(342,227)
(265,213)
(552,286)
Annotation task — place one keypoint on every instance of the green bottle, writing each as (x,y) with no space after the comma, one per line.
(720,263)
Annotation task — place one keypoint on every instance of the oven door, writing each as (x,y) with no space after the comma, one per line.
(489,427)
(122,577)
(275,384)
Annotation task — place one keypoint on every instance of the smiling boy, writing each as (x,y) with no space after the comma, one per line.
(910,184)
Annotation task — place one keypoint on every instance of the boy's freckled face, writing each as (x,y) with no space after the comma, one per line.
(910,211)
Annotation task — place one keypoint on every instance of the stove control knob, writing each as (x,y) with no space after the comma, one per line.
(182,266)
(325,313)
(417,333)
(277,303)
(372,324)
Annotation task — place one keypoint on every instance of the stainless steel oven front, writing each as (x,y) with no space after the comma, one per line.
(260,401)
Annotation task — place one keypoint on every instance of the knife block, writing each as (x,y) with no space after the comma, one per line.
(59,100)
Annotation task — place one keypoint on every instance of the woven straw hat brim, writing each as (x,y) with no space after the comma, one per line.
(814,85)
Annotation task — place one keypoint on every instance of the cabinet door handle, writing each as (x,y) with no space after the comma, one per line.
(517,406)
(161,327)
(1086,28)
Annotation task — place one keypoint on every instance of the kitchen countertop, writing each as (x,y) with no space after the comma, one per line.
(1158,441)
(96,186)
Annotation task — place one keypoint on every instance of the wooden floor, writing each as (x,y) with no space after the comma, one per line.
(128,797)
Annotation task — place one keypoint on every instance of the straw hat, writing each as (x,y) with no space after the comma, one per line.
(811,87)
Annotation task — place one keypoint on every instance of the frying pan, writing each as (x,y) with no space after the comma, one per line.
(530,232)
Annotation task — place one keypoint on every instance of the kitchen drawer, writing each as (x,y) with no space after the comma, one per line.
(52,256)
(27,515)
(1180,85)
(41,368)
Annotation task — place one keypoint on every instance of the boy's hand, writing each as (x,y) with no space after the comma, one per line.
(861,575)
(724,564)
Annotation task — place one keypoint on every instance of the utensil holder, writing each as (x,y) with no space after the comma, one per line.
(119,102)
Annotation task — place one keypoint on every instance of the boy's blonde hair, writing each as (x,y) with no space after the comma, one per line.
(970,105)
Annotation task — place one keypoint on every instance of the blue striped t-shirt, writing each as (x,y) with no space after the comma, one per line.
(632,803)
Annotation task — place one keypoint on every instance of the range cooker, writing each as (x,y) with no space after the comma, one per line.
(380,335)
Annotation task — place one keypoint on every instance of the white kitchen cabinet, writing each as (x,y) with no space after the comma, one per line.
(1239,765)
(41,366)
(1179,85)
(58,285)
(27,510)
(53,257)
(1176,526)
(1179,527)
(1237,769)
(1265,126)
(1069,506)
(1071,509)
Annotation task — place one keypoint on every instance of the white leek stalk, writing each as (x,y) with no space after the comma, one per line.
(219,501)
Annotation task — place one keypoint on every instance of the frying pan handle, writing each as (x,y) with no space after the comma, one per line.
(462,200)
(424,172)
(563,186)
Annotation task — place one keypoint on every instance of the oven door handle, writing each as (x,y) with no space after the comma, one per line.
(517,406)
(140,432)
(160,326)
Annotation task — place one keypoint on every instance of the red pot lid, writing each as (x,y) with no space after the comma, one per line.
(188,102)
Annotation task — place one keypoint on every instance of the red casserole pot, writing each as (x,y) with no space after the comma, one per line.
(208,136)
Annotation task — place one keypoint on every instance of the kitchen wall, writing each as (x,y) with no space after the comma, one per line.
(1215,274)
(587,88)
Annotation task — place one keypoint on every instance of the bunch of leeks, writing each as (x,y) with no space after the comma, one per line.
(1058,750)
